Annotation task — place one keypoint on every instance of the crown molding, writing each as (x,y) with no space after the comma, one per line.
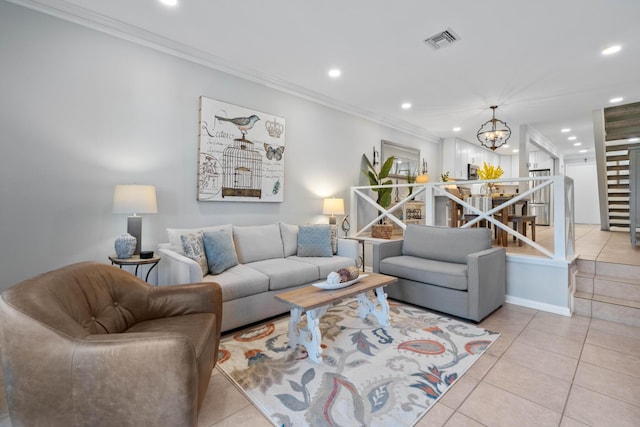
(81,16)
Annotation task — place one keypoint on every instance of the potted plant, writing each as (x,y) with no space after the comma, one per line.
(384,194)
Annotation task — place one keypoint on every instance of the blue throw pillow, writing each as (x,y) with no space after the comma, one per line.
(221,254)
(314,240)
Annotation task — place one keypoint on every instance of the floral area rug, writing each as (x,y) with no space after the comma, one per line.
(370,375)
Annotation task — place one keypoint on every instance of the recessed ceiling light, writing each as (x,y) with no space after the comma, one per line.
(572,138)
(505,145)
(611,49)
(577,144)
(334,72)
(582,151)
(406,105)
(634,139)
(456,129)
(516,151)
(616,99)
(565,130)
(169,2)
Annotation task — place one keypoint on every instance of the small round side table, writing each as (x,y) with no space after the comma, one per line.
(137,261)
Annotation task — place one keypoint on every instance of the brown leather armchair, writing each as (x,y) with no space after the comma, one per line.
(92,345)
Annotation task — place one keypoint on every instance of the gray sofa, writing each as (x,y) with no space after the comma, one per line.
(451,270)
(269,263)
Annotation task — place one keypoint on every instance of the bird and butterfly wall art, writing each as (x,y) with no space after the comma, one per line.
(241,154)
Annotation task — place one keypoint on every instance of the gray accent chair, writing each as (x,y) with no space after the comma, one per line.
(451,270)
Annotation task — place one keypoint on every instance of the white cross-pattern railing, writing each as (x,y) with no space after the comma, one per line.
(562,190)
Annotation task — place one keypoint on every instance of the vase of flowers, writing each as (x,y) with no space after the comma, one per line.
(488,172)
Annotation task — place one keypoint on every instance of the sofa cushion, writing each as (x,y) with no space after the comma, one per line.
(289,234)
(193,247)
(326,264)
(239,281)
(444,243)
(175,233)
(257,243)
(439,273)
(285,273)
(221,254)
(314,240)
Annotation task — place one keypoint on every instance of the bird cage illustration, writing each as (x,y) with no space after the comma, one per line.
(242,168)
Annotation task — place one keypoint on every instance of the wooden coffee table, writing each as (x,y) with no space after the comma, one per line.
(314,302)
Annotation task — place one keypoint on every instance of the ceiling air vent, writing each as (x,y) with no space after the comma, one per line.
(442,39)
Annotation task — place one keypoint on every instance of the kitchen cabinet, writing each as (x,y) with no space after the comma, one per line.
(458,153)
(540,160)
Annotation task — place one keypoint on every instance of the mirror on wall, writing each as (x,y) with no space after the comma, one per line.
(406,163)
(407,159)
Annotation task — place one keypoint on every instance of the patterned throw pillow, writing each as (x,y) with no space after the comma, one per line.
(221,254)
(193,247)
(314,240)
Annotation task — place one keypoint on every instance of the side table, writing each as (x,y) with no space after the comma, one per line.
(137,261)
(364,239)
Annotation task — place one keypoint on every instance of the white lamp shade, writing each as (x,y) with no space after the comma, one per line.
(134,199)
(333,206)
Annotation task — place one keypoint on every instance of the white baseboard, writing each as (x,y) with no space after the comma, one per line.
(536,305)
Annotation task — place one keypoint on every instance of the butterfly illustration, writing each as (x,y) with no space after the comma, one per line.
(273,152)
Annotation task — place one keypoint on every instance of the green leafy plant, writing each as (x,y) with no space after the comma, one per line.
(445,176)
(380,178)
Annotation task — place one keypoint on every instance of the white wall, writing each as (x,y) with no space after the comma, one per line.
(585,184)
(82,111)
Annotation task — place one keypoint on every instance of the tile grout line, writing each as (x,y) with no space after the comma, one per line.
(573,377)
(482,380)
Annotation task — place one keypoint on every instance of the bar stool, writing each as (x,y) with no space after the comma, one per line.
(520,225)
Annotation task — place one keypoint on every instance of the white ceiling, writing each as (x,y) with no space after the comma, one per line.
(539,61)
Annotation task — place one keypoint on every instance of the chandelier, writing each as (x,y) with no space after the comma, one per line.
(494,133)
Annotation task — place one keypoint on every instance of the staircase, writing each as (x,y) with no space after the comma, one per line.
(617,158)
(605,290)
(608,291)
(621,128)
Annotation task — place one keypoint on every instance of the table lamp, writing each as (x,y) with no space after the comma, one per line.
(134,200)
(333,207)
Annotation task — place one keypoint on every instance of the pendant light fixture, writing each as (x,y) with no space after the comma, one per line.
(494,133)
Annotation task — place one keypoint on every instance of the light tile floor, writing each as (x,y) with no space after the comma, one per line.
(544,370)
(591,243)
